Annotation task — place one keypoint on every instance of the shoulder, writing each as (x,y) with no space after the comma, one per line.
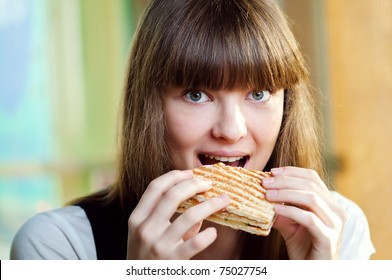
(63,233)
(350,206)
(356,242)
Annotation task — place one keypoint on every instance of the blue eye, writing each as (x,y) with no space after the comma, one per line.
(196,96)
(261,96)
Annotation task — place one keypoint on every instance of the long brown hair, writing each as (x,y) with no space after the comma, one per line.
(212,44)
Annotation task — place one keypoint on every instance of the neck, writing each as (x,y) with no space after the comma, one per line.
(228,244)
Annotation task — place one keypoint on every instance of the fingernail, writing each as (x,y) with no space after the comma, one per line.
(279,208)
(224,198)
(272,193)
(276,171)
(268,180)
(205,181)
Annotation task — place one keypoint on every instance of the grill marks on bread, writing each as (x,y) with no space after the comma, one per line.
(248,209)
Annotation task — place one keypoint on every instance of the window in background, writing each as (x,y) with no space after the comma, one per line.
(61,72)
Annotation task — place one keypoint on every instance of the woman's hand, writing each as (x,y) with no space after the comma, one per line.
(152,234)
(310,220)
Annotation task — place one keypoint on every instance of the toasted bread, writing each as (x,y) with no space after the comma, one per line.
(248,209)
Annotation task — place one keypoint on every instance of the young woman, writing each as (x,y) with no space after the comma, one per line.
(208,81)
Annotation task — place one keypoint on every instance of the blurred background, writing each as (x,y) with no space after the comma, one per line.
(62,65)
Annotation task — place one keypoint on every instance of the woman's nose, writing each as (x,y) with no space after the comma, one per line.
(230,125)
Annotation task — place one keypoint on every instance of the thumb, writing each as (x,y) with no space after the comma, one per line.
(285,226)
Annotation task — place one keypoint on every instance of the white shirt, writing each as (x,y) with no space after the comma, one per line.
(66,233)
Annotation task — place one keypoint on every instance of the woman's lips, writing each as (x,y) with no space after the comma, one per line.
(238,161)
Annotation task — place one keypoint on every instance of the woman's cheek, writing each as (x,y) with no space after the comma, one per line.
(185,132)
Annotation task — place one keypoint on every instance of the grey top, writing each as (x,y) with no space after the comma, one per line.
(66,233)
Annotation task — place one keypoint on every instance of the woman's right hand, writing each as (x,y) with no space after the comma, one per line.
(152,234)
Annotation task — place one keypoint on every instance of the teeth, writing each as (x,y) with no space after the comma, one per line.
(224,159)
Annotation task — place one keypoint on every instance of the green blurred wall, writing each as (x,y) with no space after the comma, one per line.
(63,65)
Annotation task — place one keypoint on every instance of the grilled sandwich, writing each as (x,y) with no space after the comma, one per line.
(248,209)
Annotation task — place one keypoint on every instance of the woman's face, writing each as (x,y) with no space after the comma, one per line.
(237,127)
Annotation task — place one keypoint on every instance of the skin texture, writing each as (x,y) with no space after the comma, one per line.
(310,220)
(229,123)
(151,233)
(223,123)
(219,123)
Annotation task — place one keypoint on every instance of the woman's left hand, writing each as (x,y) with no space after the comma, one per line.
(308,217)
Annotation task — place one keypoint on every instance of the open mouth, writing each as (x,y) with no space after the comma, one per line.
(231,161)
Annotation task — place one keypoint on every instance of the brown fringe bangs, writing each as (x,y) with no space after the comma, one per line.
(219,48)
